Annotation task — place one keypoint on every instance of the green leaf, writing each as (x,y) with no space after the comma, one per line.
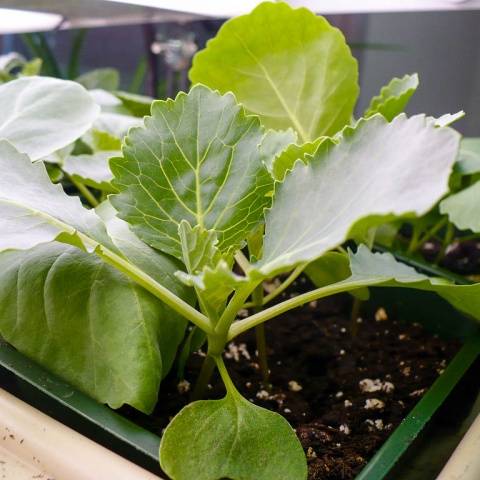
(377,171)
(463,208)
(32,68)
(199,247)
(448,119)
(104,78)
(393,97)
(114,119)
(275,142)
(331,268)
(34,211)
(215,284)
(468,160)
(160,267)
(88,323)
(100,141)
(286,65)
(383,270)
(40,115)
(138,105)
(286,160)
(91,170)
(231,438)
(197,159)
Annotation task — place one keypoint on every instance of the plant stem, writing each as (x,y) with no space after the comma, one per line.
(242,260)
(357,303)
(243,325)
(260,337)
(234,305)
(89,197)
(447,240)
(281,288)
(413,245)
(432,231)
(204,378)
(227,381)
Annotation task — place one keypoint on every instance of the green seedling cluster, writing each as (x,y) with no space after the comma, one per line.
(259,170)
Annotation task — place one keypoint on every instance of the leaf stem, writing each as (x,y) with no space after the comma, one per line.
(147,282)
(89,197)
(242,261)
(234,305)
(260,336)
(243,325)
(227,381)
(432,231)
(281,288)
(204,378)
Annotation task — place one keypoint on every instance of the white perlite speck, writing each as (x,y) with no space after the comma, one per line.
(373,404)
(367,385)
(381,315)
(345,429)
(183,386)
(263,395)
(235,351)
(294,386)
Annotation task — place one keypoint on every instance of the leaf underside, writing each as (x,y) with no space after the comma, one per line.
(463,208)
(40,115)
(372,175)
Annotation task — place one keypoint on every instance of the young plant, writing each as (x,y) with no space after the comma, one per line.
(102,296)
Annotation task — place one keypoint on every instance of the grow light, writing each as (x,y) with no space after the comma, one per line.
(222,9)
(21,21)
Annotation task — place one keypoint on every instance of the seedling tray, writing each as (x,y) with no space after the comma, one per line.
(57,398)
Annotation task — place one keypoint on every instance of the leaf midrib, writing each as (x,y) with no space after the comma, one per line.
(281,99)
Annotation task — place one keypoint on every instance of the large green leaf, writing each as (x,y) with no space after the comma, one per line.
(34,211)
(376,172)
(393,98)
(88,323)
(197,159)
(40,115)
(331,268)
(463,208)
(382,269)
(231,438)
(287,65)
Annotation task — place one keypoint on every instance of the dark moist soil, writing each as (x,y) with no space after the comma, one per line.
(343,395)
(460,257)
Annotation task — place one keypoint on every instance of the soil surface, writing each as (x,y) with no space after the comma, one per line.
(462,257)
(343,394)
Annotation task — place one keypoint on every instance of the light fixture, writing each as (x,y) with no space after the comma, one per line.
(208,8)
(229,8)
(23,21)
